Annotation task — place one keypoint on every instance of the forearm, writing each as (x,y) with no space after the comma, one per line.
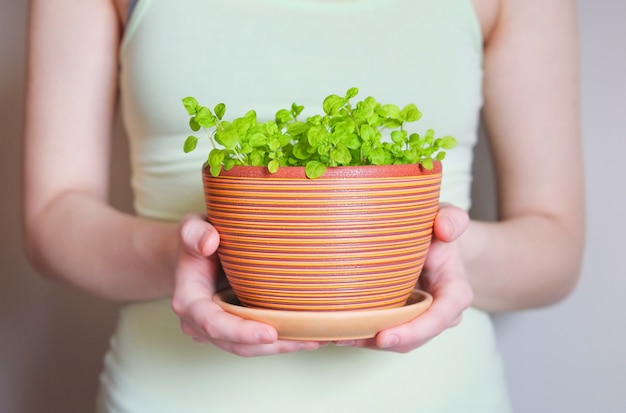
(531,114)
(523,262)
(81,241)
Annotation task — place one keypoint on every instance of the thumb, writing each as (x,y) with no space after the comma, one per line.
(198,236)
(450,223)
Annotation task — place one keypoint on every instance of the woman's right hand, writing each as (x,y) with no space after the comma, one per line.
(197,275)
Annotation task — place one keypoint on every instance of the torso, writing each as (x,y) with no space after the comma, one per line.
(151,364)
(487,12)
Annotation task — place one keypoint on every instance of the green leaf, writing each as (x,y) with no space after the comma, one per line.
(274,144)
(398,136)
(241,125)
(441,156)
(258,139)
(215,170)
(345,127)
(390,111)
(315,120)
(410,113)
(251,116)
(448,142)
(216,157)
(352,141)
(205,118)
(256,158)
(228,138)
(370,103)
(375,120)
(273,166)
(228,164)
(392,123)
(283,116)
(365,110)
(332,104)
(190,143)
(427,164)
(297,128)
(220,110)
(429,136)
(411,156)
(316,136)
(352,92)
(323,149)
(314,169)
(361,114)
(301,150)
(368,133)
(285,141)
(395,149)
(272,128)
(194,125)
(191,105)
(415,140)
(246,148)
(341,155)
(377,156)
(296,109)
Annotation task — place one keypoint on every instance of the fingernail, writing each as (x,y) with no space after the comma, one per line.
(451,227)
(391,341)
(309,346)
(204,240)
(265,337)
(345,343)
(190,237)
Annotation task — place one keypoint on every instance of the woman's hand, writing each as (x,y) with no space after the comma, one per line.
(444,276)
(197,276)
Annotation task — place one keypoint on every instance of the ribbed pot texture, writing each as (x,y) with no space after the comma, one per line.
(356,238)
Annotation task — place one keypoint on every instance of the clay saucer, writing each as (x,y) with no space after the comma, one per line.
(328,325)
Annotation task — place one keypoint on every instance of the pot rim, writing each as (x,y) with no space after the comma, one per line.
(332,172)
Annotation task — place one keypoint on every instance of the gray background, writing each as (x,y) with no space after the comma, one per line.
(567,358)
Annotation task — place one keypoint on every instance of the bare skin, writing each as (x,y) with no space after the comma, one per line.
(529,258)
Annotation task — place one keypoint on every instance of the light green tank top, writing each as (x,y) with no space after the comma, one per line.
(263,55)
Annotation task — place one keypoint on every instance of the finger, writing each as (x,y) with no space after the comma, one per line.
(198,236)
(450,223)
(445,312)
(410,336)
(361,343)
(249,349)
(195,279)
(278,347)
(204,318)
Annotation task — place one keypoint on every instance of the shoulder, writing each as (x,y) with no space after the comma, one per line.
(487,13)
(493,14)
(121,8)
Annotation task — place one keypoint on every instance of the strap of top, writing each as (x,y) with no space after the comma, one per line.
(131,7)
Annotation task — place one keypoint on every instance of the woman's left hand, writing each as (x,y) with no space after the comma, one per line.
(444,276)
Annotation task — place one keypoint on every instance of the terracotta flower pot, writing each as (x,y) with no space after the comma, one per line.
(356,238)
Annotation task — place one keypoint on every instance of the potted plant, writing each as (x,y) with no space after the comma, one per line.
(321,213)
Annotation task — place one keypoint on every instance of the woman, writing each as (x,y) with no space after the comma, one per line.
(513,61)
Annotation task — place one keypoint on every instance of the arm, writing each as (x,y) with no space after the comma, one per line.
(71,234)
(531,257)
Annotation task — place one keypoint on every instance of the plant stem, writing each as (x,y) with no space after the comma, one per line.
(210,136)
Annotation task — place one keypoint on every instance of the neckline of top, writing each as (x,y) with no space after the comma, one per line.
(334,5)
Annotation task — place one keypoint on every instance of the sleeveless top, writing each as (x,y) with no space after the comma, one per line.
(264,55)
